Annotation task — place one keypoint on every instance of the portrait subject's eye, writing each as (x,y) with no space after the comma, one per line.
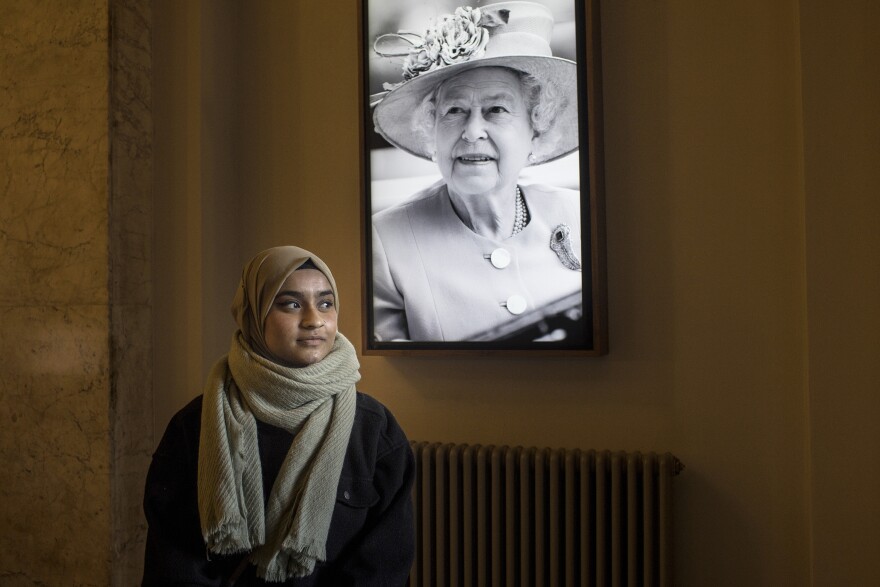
(327,304)
(498,109)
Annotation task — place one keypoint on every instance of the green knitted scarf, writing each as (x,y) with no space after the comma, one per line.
(315,403)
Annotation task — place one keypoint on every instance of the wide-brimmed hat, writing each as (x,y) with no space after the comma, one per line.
(515,35)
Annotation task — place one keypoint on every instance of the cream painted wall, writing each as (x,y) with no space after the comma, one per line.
(841,64)
(178,238)
(713,249)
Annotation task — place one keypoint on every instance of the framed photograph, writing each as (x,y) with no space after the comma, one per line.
(482,192)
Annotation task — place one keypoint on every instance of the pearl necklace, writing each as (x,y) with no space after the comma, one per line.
(521,217)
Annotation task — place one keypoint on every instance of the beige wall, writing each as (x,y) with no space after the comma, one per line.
(841,75)
(741,150)
(726,346)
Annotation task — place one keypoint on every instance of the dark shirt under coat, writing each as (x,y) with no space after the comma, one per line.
(371,539)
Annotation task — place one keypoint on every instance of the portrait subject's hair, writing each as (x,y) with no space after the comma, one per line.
(543,101)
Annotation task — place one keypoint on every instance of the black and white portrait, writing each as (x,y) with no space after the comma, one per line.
(474,174)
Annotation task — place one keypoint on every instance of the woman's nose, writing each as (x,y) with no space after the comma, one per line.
(475,127)
(312,318)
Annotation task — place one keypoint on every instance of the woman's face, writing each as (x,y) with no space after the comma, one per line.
(483,133)
(301,325)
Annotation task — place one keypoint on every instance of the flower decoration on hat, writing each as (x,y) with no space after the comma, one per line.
(456,38)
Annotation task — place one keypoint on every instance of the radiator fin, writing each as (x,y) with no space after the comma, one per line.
(514,516)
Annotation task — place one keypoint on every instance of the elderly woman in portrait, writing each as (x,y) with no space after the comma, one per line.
(478,253)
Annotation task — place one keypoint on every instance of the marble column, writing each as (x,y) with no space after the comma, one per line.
(130,284)
(75,351)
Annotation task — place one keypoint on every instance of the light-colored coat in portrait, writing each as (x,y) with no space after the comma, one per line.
(434,279)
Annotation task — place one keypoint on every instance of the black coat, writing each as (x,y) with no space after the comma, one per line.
(372,536)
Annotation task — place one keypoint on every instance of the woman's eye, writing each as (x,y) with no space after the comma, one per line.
(498,110)
(454,110)
(327,304)
(289,304)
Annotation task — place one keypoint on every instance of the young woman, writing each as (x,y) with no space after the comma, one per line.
(281,472)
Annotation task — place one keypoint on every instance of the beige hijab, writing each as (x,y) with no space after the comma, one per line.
(316,403)
(260,282)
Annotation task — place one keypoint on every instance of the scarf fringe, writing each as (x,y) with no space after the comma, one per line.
(290,563)
(230,537)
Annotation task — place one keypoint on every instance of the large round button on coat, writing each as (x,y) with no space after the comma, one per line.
(500,258)
(516,304)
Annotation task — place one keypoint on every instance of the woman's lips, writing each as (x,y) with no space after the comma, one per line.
(311,341)
(475,159)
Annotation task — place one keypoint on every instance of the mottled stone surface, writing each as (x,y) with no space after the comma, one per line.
(53,152)
(75,225)
(131,170)
(132,440)
(54,450)
(54,375)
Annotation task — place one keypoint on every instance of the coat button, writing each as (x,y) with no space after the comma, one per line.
(500,258)
(516,304)
(346,495)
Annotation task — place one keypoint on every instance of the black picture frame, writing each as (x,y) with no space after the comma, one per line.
(388,175)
